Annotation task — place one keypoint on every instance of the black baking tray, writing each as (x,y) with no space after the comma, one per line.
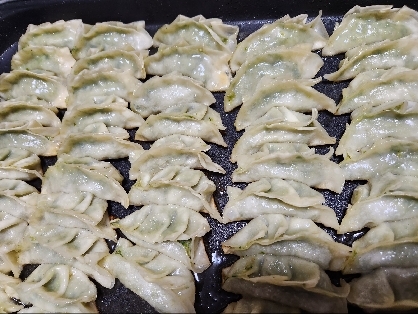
(249,15)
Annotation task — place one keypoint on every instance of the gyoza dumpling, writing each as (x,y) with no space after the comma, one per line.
(389,288)
(99,146)
(7,305)
(112,36)
(366,25)
(170,151)
(12,230)
(296,95)
(185,31)
(16,187)
(150,274)
(208,66)
(44,58)
(306,167)
(257,305)
(264,197)
(19,158)
(280,235)
(387,155)
(389,120)
(383,203)
(20,83)
(80,118)
(19,110)
(88,84)
(131,61)
(383,55)
(291,63)
(375,87)
(58,34)
(163,124)
(179,186)
(158,223)
(285,32)
(311,133)
(73,178)
(25,139)
(58,288)
(159,93)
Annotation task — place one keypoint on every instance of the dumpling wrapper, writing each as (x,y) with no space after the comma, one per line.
(16,187)
(208,66)
(258,305)
(285,32)
(7,305)
(161,92)
(27,140)
(285,63)
(370,24)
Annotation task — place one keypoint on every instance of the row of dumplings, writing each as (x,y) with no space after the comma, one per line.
(283,254)
(379,146)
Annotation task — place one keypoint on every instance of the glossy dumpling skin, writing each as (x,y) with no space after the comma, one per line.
(132,61)
(258,305)
(305,167)
(22,83)
(51,59)
(88,84)
(159,93)
(383,55)
(371,124)
(168,123)
(111,36)
(208,66)
(285,32)
(291,63)
(58,34)
(16,187)
(375,87)
(17,163)
(297,95)
(388,155)
(31,110)
(366,25)
(158,223)
(151,274)
(199,31)
(7,305)
(389,288)
(58,288)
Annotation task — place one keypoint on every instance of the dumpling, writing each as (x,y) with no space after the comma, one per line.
(258,305)
(19,110)
(159,93)
(7,305)
(21,83)
(389,288)
(19,158)
(297,95)
(158,223)
(179,186)
(208,66)
(16,187)
(306,167)
(58,34)
(387,155)
(382,55)
(167,123)
(311,133)
(88,84)
(131,61)
(44,58)
(73,178)
(99,146)
(366,25)
(280,235)
(264,197)
(80,118)
(291,63)
(285,32)
(197,31)
(12,230)
(112,36)
(389,120)
(375,87)
(27,140)
(175,153)
(151,274)
(58,288)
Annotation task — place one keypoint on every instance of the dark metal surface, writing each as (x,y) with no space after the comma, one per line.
(249,15)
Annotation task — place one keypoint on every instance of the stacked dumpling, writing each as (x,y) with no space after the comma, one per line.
(380,146)
(283,253)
